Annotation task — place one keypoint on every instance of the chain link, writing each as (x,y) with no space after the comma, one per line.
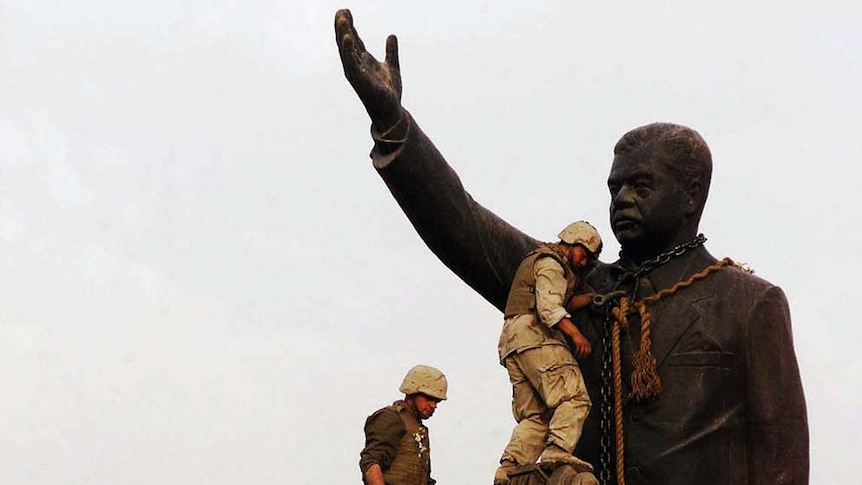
(666,256)
(606,405)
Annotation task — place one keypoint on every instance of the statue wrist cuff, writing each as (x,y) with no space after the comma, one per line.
(396,134)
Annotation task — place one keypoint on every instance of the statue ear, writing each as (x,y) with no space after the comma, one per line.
(695,198)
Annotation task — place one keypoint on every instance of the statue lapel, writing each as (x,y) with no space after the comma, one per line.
(671,320)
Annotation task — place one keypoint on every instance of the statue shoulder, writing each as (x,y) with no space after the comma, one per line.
(739,281)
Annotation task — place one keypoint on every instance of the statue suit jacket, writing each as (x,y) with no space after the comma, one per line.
(732,410)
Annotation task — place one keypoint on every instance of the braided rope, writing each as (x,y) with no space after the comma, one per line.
(619,321)
(695,277)
(645,380)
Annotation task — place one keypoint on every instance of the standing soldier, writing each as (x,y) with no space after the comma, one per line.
(397,451)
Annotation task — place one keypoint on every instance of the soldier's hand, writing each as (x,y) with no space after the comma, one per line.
(377,84)
(581,346)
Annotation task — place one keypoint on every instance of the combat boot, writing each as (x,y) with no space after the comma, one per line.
(501,476)
(585,478)
(567,475)
(554,455)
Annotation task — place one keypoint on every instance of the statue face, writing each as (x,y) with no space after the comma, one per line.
(649,207)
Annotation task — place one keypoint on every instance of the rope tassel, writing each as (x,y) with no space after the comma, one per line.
(645,380)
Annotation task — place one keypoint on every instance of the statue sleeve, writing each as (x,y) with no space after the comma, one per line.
(778,430)
(479,247)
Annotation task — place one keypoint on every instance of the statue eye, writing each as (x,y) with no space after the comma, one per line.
(642,189)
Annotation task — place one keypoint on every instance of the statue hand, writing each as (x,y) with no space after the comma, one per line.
(377,84)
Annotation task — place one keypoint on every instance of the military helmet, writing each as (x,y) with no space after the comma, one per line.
(426,380)
(583,233)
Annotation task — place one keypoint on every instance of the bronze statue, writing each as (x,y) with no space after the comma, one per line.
(694,376)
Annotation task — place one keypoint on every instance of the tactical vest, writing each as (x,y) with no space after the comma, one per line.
(412,463)
(522,296)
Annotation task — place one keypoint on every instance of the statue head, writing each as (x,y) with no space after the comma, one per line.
(659,181)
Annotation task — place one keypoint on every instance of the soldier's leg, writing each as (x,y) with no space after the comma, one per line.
(528,436)
(556,378)
(564,391)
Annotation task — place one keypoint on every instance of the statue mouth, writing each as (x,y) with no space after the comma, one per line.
(624,222)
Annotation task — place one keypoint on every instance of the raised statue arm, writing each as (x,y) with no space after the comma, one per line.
(482,249)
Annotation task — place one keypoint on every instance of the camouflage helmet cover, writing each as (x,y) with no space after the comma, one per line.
(426,380)
(583,233)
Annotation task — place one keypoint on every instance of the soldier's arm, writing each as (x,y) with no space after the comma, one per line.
(577,302)
(383,431)
(550,290)
(550,300)
(478,246)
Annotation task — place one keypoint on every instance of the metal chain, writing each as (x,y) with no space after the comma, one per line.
(666,256)
(606,405)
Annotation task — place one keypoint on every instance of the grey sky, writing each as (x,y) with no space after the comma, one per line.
(206,282)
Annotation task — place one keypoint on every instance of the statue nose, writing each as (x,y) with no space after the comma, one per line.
(623,197)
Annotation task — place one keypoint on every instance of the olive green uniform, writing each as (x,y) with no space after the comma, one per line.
(397,441)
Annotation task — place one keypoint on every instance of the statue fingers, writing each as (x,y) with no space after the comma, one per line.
(378,85)
(350,59)
(344,26)
(359,42)
(392,52)
(350,46)
(393,64)
(345,42)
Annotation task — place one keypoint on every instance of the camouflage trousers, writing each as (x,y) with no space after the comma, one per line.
(549,402)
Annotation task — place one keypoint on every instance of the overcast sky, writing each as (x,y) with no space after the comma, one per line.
(205,281)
